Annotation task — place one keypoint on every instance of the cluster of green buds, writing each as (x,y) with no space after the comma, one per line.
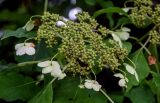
(84,43)
(155,37)
(140,14)
(146,12)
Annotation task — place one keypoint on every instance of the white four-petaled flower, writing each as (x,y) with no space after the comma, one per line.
(123,80)
(131,70)
(25,48)
(92,84)
(121,35)
(52,67)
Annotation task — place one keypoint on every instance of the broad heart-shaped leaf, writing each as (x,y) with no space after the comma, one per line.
(19,33)
(142,68)
(67,91)
(141,95)
(14,86)
(109,10)
(44,96)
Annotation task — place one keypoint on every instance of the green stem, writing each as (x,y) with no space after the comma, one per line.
(106,95)
(157,59)
(28,39)
(27,63)
(131,62)
(143,37)
(35,16)
(143,46)
(122,72)
(54,56)
(45,5)
(94,74)
(125,3)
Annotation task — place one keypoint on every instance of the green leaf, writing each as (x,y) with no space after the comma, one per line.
(141,95)
(15,86)
(90,2)
(44,96)
(156,79)
(123,21)
(109,10)
(105,4)
(19,33)
(128,46)
(142,68)
(117,97)
(67,91)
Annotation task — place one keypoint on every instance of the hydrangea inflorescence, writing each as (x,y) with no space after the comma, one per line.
(84,43)
(146,12)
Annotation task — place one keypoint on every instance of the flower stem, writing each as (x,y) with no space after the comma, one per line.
(106,95)
(125,3)
(54,56)
(45,5)
(143,45)
(28,39)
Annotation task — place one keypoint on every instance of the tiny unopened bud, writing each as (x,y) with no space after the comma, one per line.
(151,60)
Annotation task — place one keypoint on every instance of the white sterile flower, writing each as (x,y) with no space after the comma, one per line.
(25,48)
(72,13)
(92,84)
(123,80)
(123,33)
(60,23)
(131,70)
(52,67)
(117,38)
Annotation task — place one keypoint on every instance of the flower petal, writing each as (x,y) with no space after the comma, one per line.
(116,38)
(127,9)
(119,75)
(129,68)
(21,51)
(72,13)
(56,72)
(30,50)
(29,45)
(29,25)
(47,70)
(44,64)
(125,29)
(61,76)
(123,35)
(88,85)
(122,83)
(17,46)
(60,23)
(96,86)
(136,76)
(55,64)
